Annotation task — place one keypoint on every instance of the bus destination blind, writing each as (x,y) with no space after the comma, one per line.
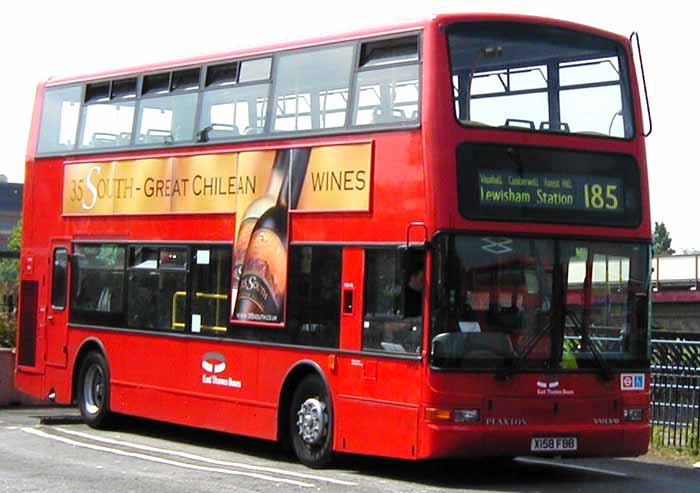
(597,194)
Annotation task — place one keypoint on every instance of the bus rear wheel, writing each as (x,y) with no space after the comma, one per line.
(311,423)
(93,391)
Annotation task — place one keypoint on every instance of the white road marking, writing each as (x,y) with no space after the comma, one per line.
(151,458)
(201,458)
(574,467)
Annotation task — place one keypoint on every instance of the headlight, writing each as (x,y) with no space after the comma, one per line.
(466,415)
(633,414)
(452,415)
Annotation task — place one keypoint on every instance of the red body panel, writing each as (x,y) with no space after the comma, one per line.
(379,401)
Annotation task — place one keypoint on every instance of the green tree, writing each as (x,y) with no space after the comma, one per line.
(9,274)
(661,241)
(9,268)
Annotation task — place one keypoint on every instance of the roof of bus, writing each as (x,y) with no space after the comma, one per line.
(252,51)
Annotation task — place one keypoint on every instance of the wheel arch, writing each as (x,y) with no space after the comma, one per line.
(88,345)
(294,376)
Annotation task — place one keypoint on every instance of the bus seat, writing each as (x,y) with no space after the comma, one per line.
(103,139)
(563,127)
(253,130)
(124,138)
(474,123)
(488,345)
(158,136)
(223,131)
(448,345)
(381,116)
(519,123)
(453,345)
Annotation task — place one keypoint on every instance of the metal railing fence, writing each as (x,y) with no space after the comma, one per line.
(675,393)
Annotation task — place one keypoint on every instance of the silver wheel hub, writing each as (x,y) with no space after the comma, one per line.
(93,390)
(312,421)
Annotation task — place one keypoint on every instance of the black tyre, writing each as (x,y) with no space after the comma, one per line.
(311,423)
(93,391)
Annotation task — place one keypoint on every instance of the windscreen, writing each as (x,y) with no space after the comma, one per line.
(539,78)
(532,303)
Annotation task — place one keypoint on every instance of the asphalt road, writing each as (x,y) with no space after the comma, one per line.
(50,450)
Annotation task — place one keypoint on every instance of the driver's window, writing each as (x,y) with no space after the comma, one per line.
(394,286)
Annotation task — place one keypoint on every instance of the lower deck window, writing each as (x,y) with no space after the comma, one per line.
(157,278)
(97,284)
(394,282)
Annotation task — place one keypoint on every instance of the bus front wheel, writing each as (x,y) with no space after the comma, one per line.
(93,391)
(311,423)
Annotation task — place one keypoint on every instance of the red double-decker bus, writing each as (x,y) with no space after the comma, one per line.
(427,240)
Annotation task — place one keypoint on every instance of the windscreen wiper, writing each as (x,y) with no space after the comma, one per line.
(517,362)
(605,371)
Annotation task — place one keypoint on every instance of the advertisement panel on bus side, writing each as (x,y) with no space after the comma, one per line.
(260,187)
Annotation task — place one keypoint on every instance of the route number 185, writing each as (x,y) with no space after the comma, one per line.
(599,196)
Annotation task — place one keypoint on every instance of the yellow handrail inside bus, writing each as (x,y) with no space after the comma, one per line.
(211,296)
(176,295)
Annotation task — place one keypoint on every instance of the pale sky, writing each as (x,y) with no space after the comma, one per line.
(72,37)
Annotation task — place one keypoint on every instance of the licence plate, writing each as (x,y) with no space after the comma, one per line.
(554,444)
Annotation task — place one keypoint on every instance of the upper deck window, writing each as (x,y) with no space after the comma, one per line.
(108,113)
(539,78)
(107,124)
(255,70)
(311,90)
(234,102)
(387,82)
(156,84)
(167,117)
(124,88)
(185,80)
(97,92)
(344,86)
(389,51)
(59,119)
(223,74)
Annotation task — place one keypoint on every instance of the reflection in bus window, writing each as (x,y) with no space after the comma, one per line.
(495,305)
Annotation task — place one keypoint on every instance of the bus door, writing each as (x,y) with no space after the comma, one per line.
(380,382)
(56,307)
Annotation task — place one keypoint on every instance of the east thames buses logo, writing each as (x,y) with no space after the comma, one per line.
(550,387)
(214,364)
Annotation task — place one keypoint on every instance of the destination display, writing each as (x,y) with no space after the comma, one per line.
(538,184)
(555,191)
